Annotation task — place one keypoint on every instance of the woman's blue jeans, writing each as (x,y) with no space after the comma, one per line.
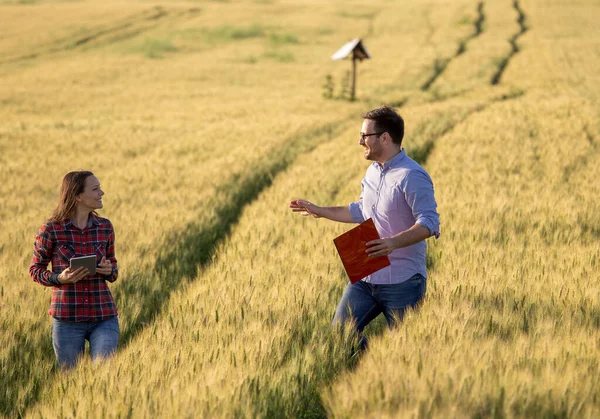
(68,339)
(362,302)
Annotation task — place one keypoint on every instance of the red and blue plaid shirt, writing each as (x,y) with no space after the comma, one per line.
(58,242)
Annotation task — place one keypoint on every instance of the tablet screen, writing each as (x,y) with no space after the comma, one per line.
(86,261)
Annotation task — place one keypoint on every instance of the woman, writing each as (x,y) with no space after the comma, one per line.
(82,305)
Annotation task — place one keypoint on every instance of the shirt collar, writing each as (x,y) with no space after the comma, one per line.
(92,220)
(393,162)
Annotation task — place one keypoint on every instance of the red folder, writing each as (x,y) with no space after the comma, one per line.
(352,245)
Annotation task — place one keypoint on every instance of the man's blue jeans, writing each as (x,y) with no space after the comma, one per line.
(362,302)
(68,339)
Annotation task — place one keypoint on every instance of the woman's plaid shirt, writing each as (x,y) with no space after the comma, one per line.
(58,242)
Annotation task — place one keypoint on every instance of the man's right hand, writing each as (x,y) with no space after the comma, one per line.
(305,208)
(69,276)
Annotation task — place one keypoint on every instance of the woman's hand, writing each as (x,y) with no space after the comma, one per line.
(69,276)
(105,267)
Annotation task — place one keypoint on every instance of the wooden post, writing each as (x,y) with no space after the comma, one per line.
(359,53)
(353,91)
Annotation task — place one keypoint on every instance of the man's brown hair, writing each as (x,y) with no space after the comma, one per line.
(387,120)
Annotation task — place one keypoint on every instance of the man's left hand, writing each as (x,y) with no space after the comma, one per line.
(380,247)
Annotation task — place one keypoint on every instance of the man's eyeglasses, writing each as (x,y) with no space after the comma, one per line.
(363,137)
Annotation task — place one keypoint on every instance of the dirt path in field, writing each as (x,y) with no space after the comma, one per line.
(440,64)
(513,43)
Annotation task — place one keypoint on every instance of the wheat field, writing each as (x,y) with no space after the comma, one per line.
(203,119)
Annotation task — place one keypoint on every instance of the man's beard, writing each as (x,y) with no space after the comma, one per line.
(373,153)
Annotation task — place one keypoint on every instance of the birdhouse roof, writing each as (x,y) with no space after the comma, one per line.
(355,46)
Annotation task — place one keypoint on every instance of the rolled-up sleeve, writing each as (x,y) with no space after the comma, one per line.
(418,192)
(356,207)
(110,255)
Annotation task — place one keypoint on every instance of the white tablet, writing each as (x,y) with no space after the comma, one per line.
(88,262)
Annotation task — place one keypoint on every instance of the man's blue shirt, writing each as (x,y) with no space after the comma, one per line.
(396,196)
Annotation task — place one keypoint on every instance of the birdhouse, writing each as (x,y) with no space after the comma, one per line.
(358,52)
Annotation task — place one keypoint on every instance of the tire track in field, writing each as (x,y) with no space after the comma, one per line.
(126,29)
(195,246)
(514,48)
(440,64)
(421,154)
(462,44)
(269,399)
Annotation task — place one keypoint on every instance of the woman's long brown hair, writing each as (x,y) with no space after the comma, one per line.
(73,184)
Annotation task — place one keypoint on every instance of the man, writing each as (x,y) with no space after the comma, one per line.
(397,193)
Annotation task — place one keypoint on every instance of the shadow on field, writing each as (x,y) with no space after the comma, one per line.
(306,362)
(20,378)
(194,247)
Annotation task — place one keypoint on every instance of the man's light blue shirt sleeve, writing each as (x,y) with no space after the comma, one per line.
(419,196)
(356,208)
